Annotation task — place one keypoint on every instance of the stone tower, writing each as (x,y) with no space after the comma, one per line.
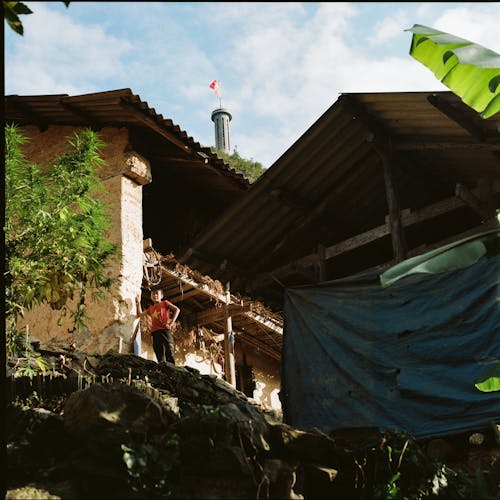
(221,117)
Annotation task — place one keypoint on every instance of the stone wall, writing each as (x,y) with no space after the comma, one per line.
(123,175)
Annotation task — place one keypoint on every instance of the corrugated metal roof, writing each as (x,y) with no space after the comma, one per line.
(117,108)
(329,186)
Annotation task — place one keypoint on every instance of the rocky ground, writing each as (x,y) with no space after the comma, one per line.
(118,426)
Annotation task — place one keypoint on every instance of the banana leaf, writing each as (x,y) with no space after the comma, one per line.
(469,70)
(449,257)
(489,380)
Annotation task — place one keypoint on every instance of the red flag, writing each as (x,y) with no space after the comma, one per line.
(215,85)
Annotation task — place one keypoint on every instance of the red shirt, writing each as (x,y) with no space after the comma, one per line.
(160,315)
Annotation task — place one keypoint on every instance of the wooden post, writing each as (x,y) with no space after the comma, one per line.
(397,233)
(229,343)
(321,263)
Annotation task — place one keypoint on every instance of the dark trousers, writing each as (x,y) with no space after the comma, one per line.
(163,345)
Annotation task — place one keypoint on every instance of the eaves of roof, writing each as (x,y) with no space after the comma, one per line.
(114,108)
(329,185)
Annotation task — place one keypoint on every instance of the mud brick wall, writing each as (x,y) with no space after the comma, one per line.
(123,175)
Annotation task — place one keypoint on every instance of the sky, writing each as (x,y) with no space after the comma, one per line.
(280,65)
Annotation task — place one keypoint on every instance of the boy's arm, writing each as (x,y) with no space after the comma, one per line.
(140,312)
(176,312)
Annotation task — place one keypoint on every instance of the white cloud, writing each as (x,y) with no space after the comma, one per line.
(282,65)
(478,24)
(57,54)
(390,27)
(294,67)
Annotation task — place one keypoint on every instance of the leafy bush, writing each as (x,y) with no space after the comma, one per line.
(55,245)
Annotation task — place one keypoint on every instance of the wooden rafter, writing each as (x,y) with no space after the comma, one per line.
(219,313)
(456,116)
(408,218)
(83,115)
(459,145)
(31,115)
(208,291)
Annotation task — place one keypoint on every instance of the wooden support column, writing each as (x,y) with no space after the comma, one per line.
(321,263)
(391,192)
(229,365)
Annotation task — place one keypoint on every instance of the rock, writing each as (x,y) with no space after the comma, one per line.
(157,430)
(106,412)
(281,478)
(314,447)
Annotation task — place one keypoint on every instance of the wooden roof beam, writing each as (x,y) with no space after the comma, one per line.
(83,115)
(459,118)
(485,209)
(24,108)
(408,218)
(417,145)
(185,295)
(246,339)
(219,313)
(382,138)
(255,317)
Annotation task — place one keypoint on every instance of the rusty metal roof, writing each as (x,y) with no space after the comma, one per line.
(329,187)
(205,185)
(117,108)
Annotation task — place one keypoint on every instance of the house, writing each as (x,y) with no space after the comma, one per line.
(378,179)
(152,168)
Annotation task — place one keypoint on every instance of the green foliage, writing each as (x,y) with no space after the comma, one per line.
(29,363)
(251,169)
(399,469)
(489,380)
(55,248)
(471,71)
(151,469)
(12,11)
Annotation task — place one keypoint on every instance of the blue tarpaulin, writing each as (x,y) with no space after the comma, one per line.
(403,357)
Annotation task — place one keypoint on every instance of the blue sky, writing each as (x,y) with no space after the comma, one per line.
(281,65)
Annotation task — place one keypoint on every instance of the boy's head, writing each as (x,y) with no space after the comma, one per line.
(157,295)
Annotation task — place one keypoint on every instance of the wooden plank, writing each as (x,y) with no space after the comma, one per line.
(483,209)
(357,241)
(408,218)
(431,211)
(456,116)
(219,313)
(245,338)
(416,145)
(264,322)
(185,295)
(207,291)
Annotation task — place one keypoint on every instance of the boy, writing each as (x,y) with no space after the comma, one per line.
(161,323)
